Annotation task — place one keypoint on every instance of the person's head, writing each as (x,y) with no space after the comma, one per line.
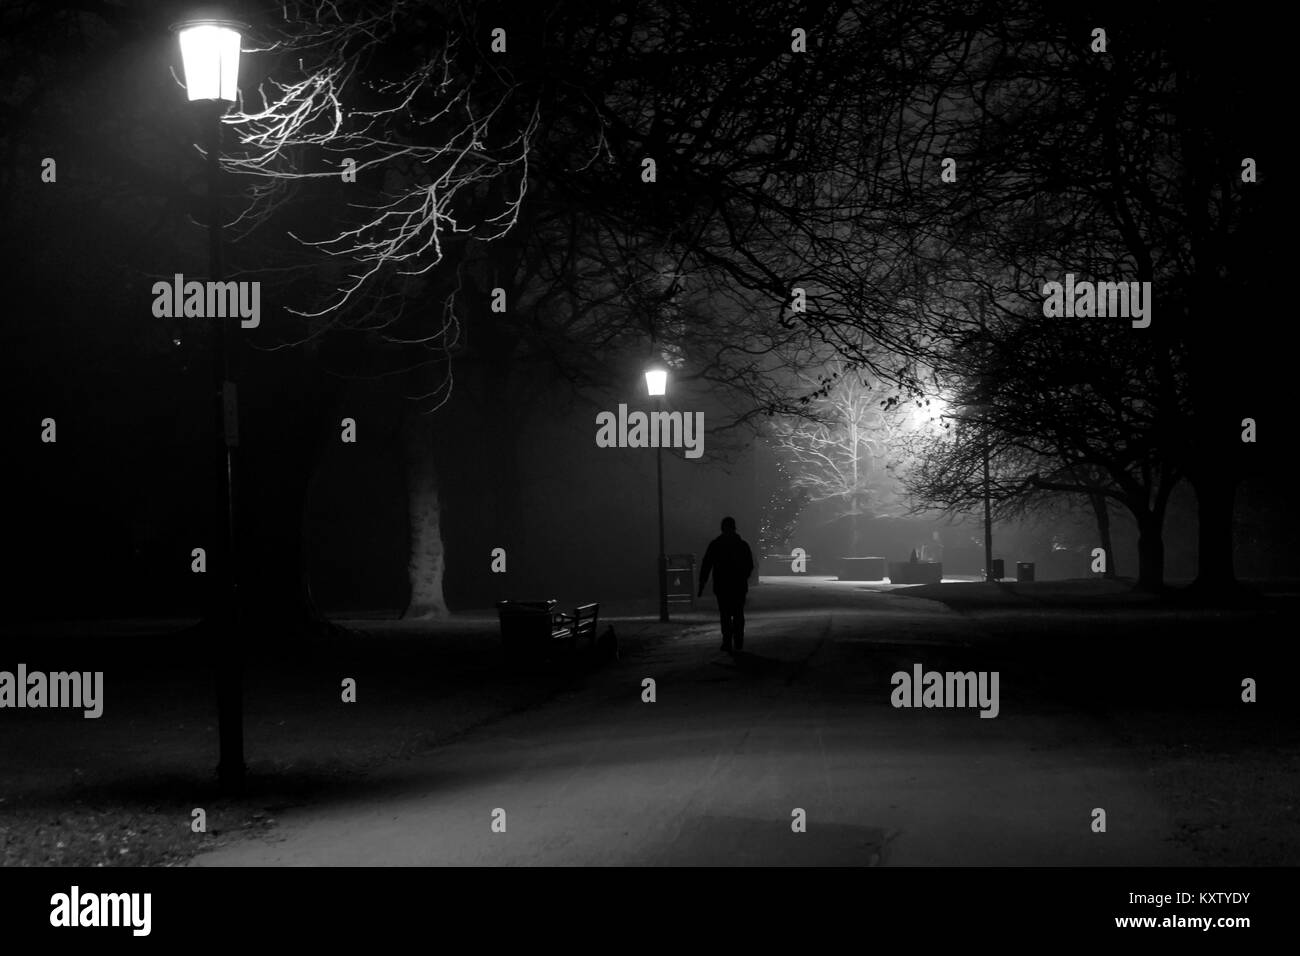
(728,525)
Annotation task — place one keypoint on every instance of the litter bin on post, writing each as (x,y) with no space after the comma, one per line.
(1024,571)
(681,579)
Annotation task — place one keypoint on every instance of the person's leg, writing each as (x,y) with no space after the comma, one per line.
(727,608)
(738,622)
(724,612)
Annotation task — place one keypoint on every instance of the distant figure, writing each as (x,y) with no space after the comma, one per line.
(729,558)
(913,558)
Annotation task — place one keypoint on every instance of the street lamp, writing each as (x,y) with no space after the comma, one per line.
(656,383)
(989,576)
(210,57)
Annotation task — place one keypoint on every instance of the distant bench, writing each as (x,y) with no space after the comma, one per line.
(537,629)
(915,572)
(862,569)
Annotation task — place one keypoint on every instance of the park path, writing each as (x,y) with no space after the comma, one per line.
(711,772)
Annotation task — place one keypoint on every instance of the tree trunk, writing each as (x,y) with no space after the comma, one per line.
(425,565)
(274,596)
(1215,501)
(1102,513)
(1151,551)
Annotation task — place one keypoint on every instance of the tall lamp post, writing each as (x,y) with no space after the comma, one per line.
(989,576)
(656,383)
(210,58)
(988,500)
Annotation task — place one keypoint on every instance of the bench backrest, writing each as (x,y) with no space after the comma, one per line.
(585,618)
(524,622)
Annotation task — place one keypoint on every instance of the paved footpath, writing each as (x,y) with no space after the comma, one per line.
(711,772)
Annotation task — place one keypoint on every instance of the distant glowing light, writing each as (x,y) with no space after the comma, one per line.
(656,381)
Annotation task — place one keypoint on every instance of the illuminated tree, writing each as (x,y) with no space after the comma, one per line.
(846,448)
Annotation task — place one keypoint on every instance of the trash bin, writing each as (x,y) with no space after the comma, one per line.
(681,579)
(999,569)
(1024,571)
(526,625)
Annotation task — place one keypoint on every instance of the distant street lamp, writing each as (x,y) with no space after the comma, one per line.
(989,574)
(210,56)
(987,495)
(656,383)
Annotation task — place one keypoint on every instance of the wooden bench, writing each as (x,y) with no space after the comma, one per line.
(537,629)
(576,627)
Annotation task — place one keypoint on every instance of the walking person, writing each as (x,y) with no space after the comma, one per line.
(731,562)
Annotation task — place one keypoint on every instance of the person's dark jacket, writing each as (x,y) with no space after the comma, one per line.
(731,562)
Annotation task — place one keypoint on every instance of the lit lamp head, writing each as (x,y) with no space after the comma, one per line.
(210,56)
(656,380)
